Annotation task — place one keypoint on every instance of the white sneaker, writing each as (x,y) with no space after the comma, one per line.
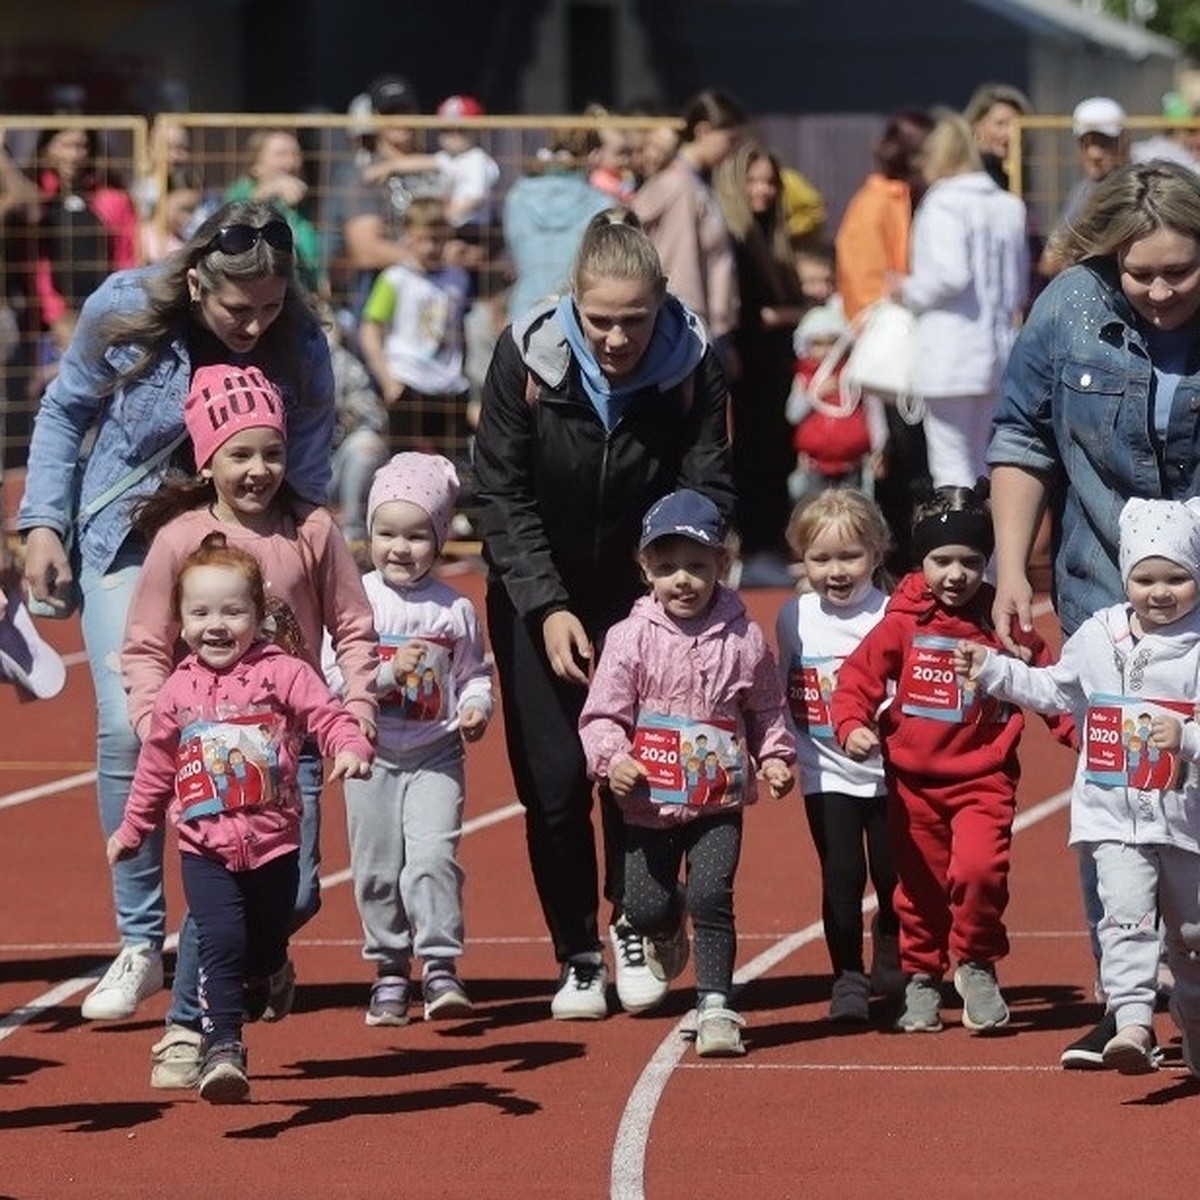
(718,1029)
(137,972)
(638,988)
(580,995)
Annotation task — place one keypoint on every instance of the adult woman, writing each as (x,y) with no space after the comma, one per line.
(593,407)
(1098,401)
(275,173)
(970,267)
(992,113)
(872,247)
(749,189)
(679,212)
(231,291)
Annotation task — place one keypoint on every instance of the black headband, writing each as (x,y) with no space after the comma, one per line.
(956,528)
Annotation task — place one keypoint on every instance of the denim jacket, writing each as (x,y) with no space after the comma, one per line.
(1075,406)
(131,424)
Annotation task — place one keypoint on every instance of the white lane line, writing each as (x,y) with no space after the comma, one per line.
(47,789)
(627,1178)
(11,1022)
(880,1068)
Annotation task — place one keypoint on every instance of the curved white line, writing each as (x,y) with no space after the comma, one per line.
(627,1180)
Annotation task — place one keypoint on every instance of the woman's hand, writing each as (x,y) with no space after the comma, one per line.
(568,647)
(1014,600)
(47,568)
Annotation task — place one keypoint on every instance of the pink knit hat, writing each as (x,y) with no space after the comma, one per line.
(224,400)
(427,480)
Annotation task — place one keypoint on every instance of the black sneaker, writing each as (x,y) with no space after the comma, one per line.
(1087,1054)
(223,1074)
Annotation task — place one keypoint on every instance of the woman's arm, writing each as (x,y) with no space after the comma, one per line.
(1018,504)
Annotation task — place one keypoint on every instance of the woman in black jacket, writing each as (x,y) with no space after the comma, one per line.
(593,408)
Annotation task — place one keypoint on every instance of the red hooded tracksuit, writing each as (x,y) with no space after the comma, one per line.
(950,757)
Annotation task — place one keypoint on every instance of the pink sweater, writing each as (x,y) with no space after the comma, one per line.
(312,580)
(720,669)
(243,810)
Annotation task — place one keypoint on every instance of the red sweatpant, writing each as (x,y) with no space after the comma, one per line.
(951,843)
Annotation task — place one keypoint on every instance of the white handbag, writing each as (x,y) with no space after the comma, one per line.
(880,349)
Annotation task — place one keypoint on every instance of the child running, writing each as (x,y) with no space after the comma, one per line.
(235,417)
(950,758)
(221,758)
(841,538)
(1130,675)
(435,691)
(685,702)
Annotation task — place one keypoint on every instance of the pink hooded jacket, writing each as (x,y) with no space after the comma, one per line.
(275,699)
(722,669)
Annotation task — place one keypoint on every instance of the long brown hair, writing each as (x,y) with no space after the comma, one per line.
(167,311)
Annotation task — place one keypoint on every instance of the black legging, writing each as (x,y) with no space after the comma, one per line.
(541,727)
(850,834)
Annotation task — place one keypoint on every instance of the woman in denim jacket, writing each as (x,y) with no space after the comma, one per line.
(117,405)
(1099,404)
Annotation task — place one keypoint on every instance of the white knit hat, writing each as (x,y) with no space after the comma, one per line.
(1167,529)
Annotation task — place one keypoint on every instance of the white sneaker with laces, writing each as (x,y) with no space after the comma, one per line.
(580,995)
(137,972)
(638,988)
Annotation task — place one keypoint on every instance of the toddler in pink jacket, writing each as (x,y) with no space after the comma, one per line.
(683,714)
(221,758)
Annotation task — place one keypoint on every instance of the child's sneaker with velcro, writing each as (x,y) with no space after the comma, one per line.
(445,997)
(984,1008)
(718,1029)
(922,1005)
(175,1058)
(389,1001)
(223,1078)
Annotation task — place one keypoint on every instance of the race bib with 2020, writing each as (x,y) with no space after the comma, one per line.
(810,684)
(695,763)
(1117,742)
(931,687)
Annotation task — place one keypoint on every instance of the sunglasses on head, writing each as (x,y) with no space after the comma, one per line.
(237,239)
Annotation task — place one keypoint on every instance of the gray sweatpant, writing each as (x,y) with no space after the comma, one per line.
(404,824)
(1136,885)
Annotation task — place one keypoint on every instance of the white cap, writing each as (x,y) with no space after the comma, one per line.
(1098,114)
(24,657)
(1167,529)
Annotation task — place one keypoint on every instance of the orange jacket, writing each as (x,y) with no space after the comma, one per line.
(872,239)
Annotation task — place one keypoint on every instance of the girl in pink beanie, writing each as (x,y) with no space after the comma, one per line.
(435,693)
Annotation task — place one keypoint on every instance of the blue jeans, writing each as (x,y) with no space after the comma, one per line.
(137,882)
(185,991)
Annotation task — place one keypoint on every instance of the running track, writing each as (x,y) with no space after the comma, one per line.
(512,1104)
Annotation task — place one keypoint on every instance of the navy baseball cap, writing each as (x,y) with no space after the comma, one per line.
(686,514)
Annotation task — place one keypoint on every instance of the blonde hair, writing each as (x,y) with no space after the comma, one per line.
(425,212)
(950,148)
(848,510)
(614,247)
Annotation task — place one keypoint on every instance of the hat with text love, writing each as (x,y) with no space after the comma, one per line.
(686,514)
(225,399)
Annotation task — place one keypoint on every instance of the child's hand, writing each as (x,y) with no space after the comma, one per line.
(368,730)
(778,776)
(391,391)
(969,658)
(348,765)
(406,658)
(861,743)
(626,776)
(115,850)
(1166,733)
(471,723)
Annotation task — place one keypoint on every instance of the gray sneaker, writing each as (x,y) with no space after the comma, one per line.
(850,1001)
(983,1005)
(922,1006)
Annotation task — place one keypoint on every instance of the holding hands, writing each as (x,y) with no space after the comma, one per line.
(777,775)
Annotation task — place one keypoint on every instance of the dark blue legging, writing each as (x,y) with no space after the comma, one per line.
(243,919)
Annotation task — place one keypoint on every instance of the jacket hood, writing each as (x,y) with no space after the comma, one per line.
(912,596)
(257,653)
(975,183)
(726,608)
(546,352)
(564,202)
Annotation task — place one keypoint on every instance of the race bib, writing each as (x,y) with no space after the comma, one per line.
(696,763)
(931,687)
(420,693)
(1117,742)
(228,764)
(810,684)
